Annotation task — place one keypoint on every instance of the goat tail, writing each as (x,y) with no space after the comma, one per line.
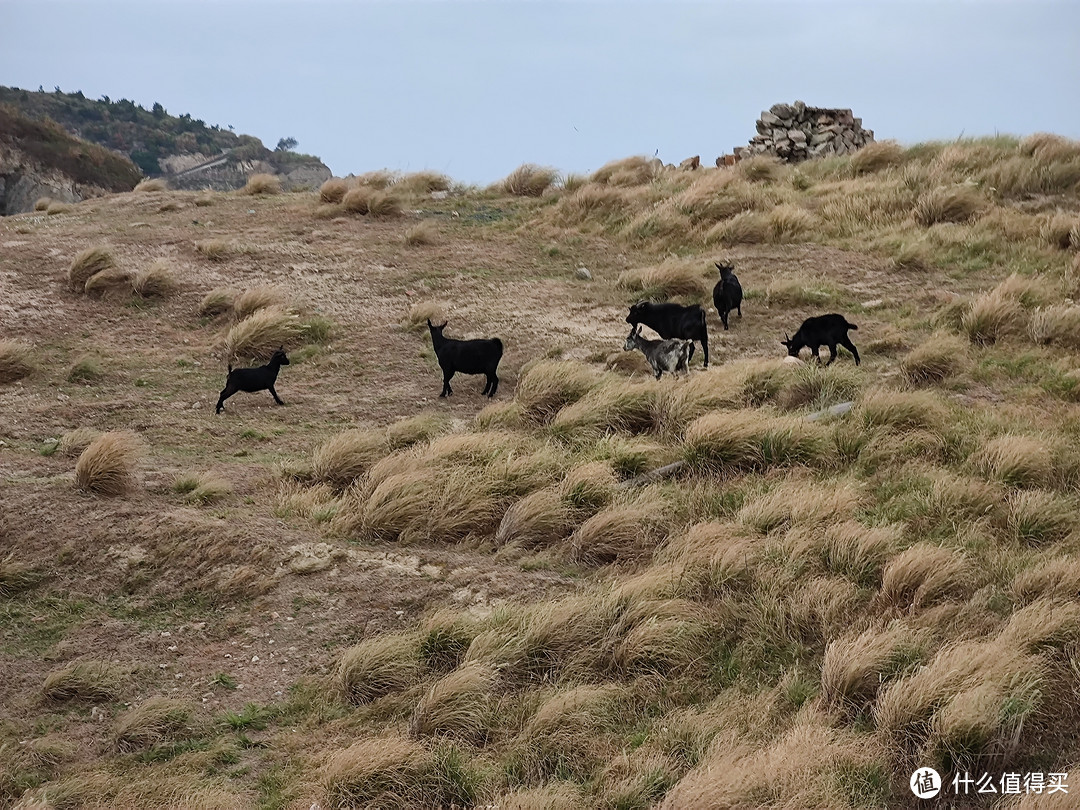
(230,367)
(498,343)
(852,326)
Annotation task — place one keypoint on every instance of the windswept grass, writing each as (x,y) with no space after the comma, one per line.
(377,667)
(16,361)
(106,466)
(87,264)
(529,180)
(155,280)
(218,301)
(260,334)
(152,722)
(333,190)
(87,680)
(259,184)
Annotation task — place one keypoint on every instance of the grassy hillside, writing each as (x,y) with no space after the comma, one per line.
(376,598)
(146,136)
(53,148)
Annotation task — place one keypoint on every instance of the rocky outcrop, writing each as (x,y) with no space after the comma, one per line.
(225,173)
(24,181)
(796,132)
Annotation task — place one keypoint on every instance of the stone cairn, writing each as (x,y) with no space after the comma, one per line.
(795,132)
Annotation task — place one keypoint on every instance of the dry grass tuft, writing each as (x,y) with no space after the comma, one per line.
(202,487)
(333,190)
(877,156)
(538,520)
(902,410)
(387,773)
(344,458)
(1039,517)
(262,184)
(95,681)
(750,440)
(459,705)
(948,204)
(87,264)
(106,466)
(423,311)
(251,301)
(856,667)
(760,169)
(425,232)
(16,361)
(925,574)
(377,666)
(155,281)
(113,281)
(618,403)
(152,184)
(671,278)
(151,723)
(420,183)
(1016,460)
(216,250)
(619,534)
(384,204)
(75,441)
(550,385)
(218,301)
(16,576)
(1058,325)
(42,203)
(796,503)
(745,228)
(1057,577)
(57,207)
(632,171)
(357,200)
(1047,147)
(991,317)
(529,180)
(935,360)
(259,335)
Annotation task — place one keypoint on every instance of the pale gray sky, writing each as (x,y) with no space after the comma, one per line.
(473,89)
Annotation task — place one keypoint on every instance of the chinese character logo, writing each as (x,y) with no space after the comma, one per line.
(925,783)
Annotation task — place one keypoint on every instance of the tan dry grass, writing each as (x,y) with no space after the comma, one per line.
(550,385)
(252,300)
(344,458)
(1056,325)
(333,190)
(375,667)
(529,180)
(91,261)
(152,184)
(619,533)
(216,250)
(934,360)
(540,519)
(382,773)
(203,488)
(425,232)
(112,281)
(88,680)
(1056,577)
(876,156)
(422,182)
(617,403)
(948,204)
(670,278)
(75,441)
(218,301)
(56,207)
(459,705)
(155,281)
(925,574)
(384,204)
(631,171)
(42,203)
(732,441)
(260,334)
(152,722)
(856,667)
(357,200)
(744,228)
(262,184)
(107,465)
(16,361)
(1016,460)
(423,311)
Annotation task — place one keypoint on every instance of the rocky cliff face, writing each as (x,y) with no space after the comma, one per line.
(225,173)
(23,181)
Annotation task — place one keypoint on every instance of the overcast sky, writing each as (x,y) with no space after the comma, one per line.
(473,89)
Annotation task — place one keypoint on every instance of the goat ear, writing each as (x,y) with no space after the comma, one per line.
(429,323)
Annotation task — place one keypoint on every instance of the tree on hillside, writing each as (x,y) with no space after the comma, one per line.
(286,145)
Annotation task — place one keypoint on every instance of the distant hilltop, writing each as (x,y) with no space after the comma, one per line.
(185,151)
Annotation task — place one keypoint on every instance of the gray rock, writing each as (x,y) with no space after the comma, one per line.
(769,120)
(583,274)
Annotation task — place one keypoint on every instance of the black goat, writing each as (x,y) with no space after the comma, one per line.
(823,329)
(727,294)
(468,357)
(673,321)
(260,378)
